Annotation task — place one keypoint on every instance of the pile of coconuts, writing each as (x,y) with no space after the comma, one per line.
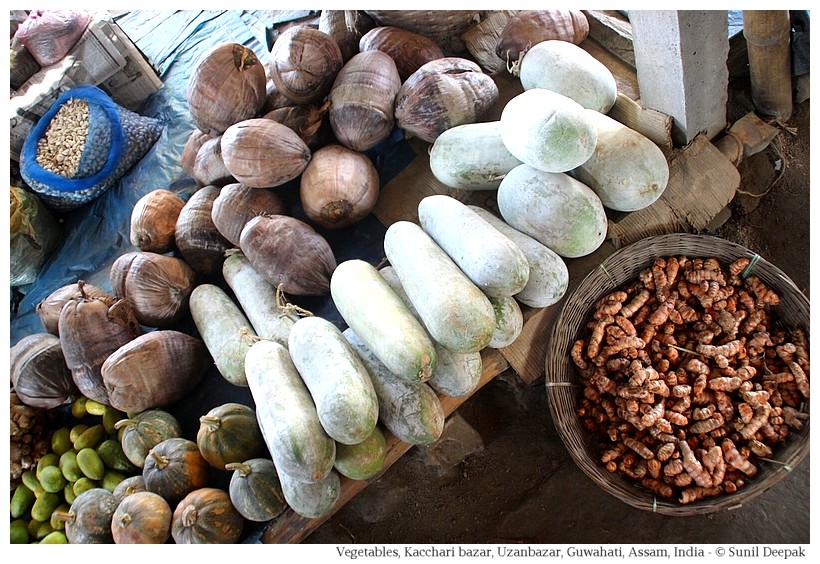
(312,111)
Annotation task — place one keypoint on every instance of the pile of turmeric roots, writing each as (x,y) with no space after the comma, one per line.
(689,378)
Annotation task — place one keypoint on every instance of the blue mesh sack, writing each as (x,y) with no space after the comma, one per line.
(82,146)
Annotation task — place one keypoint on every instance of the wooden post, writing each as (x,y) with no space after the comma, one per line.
(768,40)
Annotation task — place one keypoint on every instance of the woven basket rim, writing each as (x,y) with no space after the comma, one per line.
(561,377)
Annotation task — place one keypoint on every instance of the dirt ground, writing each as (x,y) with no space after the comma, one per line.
(518,484)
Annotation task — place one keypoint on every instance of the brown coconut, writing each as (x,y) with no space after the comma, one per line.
(347,27)
(289,253)
(154,219)
(307,120)
(303,63)
(90,330)
(156,286)
(191,148)
(362,100)
(39,374)
(237,204)
(209,167)
(408,49)
(49,308)
(227,85)
(339,187)
(263,153)
(442,94)
(198,240)
(528,27)
(154,370)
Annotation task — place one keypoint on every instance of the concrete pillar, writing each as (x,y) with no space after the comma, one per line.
(680,57)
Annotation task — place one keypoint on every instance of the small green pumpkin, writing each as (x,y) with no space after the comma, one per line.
(174,468)
(88,520)
(255,489)
(230,433)
(145,430)
(206,516)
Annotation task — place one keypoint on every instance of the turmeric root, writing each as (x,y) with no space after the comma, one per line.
(765,295)
(735,459)
(637,302)
(691,495)
(730,349)
(693,466)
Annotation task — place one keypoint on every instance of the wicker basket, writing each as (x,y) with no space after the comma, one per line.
(562,380)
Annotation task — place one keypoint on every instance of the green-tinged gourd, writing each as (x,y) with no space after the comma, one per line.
(311,500)
(144,430)
(566,68)
(141,518)
(224,329)
(174,468)
(206,516)
(627,170)
(488,257)
(287,415)
(88,520)
(553,208)
(409,410)
(363,460)
(471,156)
(372,308)
(549,275)
(547,130)
(128,486)
(338,381)
(455,311)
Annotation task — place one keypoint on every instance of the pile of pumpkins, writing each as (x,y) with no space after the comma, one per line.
(416,328)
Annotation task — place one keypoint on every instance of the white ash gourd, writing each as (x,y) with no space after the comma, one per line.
(224,329)
(370,307)
(269,315)
(489,258)
(627,170)
(547,130)
(456,374)
(549,275)
(287,414)
(471,156)
(566,68)
(455,311)
(509,321)
(555,209)
(338,381)
(314,499)
(409,410)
